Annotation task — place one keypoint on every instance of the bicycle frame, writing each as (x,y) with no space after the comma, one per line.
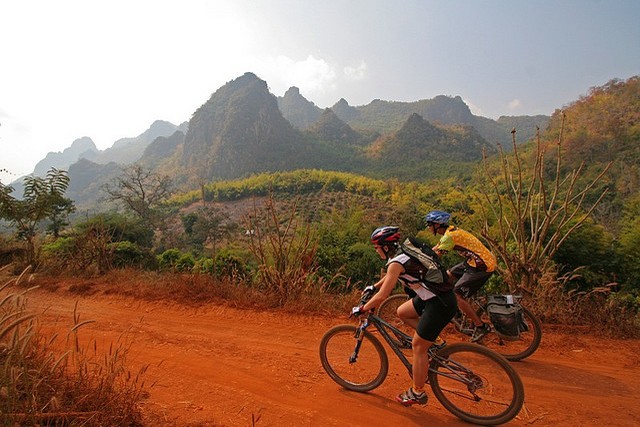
(458,372)
(383,327)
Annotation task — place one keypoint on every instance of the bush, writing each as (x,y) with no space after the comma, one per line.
(364,264)
(128,254)
(185,263)
(234,263)
(60,246)
(168,259)
(120,228)
(204,265)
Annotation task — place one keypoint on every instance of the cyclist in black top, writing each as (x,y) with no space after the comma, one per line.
(428,312)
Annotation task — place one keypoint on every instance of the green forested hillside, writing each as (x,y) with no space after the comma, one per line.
(604,126)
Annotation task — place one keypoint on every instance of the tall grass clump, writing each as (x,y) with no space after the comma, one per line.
(610,311)
(46,382)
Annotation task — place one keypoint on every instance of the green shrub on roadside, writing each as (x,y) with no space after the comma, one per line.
(58,251)
(128,254)
(168,259)
(185,263)
(234,263)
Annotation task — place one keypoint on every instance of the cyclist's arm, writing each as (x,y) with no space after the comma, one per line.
(385,285)
(445,244)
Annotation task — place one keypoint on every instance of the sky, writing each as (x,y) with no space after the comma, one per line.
(109,69)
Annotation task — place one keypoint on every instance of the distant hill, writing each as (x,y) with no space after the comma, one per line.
(80,148)
(604,126)
(385,116)
(129,150)
(300,112)
(243,129)
(420,149)
(238,131)
(162,148)
(329,127)
(86,181)
(89,167)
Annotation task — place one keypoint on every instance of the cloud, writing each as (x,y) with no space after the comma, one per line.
(356,73)
(311,75)
(514,105)
(475,110)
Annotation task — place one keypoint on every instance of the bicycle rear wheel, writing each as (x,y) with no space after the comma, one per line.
(476,384)
(519,348)
(362,373)
(387,312)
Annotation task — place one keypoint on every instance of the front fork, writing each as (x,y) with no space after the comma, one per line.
(359,336)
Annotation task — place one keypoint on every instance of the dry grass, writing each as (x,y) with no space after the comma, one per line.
(197,289)
(595,309)
(57,380)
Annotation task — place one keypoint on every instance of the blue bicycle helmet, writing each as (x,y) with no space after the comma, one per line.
(437,217)
(385,236)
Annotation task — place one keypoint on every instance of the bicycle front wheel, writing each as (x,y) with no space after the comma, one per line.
(521,347)
(476,384)
(361,371)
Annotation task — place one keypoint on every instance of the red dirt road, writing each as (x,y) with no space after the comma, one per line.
(220,366)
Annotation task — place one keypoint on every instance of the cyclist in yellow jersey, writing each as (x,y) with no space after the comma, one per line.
(469,276)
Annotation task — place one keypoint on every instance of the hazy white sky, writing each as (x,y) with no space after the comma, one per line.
(108,69)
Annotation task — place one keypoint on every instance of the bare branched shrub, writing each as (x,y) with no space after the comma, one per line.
(529,211)
(284,248)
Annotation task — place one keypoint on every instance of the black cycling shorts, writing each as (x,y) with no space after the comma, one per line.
(470,279)
(435,313)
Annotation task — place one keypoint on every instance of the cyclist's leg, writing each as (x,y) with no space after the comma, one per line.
(468,284)
(455,273)
(408,313)
(466,308)
(435,314)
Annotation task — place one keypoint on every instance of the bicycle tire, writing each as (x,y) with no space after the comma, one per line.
(522,347)
(367,372)
(390,305)
(387,312)
(499,395)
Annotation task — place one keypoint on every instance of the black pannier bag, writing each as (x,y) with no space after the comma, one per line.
(506,316)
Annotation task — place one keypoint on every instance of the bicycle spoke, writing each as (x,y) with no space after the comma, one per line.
(516,348)
(475,386)
(361,373)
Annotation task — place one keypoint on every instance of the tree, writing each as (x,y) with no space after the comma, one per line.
(141,191)
(529,212)
(210,225)
(43,199)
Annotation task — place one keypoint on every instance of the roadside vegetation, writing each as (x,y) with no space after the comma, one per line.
(61,380)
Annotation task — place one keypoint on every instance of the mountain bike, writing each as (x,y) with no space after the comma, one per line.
(471,381)
(512,348)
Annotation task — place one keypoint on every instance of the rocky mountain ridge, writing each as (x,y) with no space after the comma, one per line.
(244,129)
